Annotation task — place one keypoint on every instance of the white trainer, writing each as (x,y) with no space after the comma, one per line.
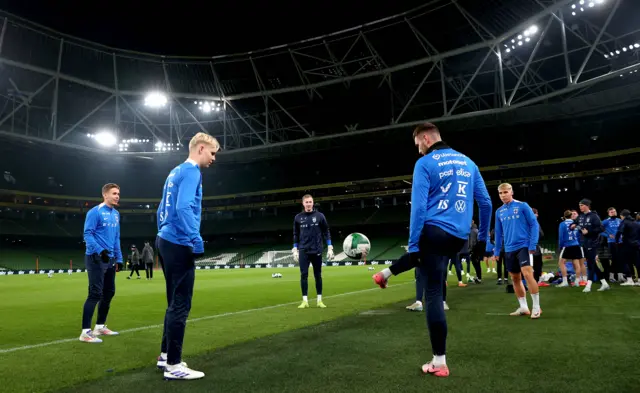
(562,285)
(587,289)
(161,362)
(520,312)
(605,287)
(104,331)
(181,372)
(89,337)
(415,307)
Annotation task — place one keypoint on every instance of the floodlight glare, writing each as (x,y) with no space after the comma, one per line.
(158,144)
(581,2)
(636,46)
(591,4)
(106,138)
(573,6)
(573,13)
(155,100)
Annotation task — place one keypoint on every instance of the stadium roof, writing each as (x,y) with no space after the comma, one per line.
(490,62)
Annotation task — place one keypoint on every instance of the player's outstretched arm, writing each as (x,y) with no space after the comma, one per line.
(498,230)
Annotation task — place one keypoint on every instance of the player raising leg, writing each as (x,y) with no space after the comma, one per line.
(569,246)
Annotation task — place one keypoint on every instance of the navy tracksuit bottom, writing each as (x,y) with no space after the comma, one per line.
(436,248)
(315,260)
(102,288)
(178,266)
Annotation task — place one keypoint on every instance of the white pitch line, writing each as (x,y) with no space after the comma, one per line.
(66,340)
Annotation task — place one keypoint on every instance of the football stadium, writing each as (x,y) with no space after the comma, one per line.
(320,197)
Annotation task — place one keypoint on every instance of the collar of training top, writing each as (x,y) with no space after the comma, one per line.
(192,162)
(437,146)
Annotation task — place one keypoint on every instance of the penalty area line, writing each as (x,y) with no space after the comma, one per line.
(227,314)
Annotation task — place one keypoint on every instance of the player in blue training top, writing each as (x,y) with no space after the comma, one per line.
(589,224)
(518,227)
(102,238)
(179,243)
(569,246)
(445,185)
(309,227)
(610,226)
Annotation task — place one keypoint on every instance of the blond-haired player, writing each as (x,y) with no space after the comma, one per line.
(179,243)
(518,226)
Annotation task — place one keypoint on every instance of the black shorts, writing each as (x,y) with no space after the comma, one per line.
(572,253)
(488,254)
(517,259)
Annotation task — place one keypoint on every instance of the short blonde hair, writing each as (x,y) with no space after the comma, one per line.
(201,138)
(505,186)
(306,196)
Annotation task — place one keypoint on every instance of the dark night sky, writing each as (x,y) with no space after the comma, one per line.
(187,27)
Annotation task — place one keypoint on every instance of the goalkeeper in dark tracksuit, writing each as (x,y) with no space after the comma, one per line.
(309,227)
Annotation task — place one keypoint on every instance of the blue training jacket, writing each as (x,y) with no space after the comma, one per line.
(568,237)
(102,231)
(591,222)
(180,209)
(518,226)
(445,184)
(308,230)
(610,226)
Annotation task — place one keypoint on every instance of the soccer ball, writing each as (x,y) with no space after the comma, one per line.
(356,246)
(49,274)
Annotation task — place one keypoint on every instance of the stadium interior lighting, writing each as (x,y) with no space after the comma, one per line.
(632,47)
(207,107)
(580,5)
(155,100)
(521,39)
(164,147)
(105,138)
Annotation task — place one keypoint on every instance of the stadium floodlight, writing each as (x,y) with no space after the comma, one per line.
(155,100)
(106,138)
(636,46)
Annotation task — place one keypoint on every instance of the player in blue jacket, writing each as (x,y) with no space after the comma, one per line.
(445,185)
(610,226)
(569,247)
(518,227)
(102,238)
(309,227)
(179,243)
(590,226)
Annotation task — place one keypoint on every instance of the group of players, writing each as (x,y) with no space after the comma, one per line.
(445,185)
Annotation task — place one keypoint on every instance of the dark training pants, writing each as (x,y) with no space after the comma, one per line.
(102,288)
(437,247)
(616,265)
(502,266)
(135,268)
(475,260)
(178,266)
(593,272)
(149,270)
(537,266)
(316,261)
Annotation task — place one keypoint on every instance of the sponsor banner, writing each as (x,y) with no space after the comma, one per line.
(215,267)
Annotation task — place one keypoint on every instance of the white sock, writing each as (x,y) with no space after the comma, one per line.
(589,283)
(319,298)
(536,300)
(523,303)
(305,299)
(86,331)
(439,360)
(419,302)
(564,280)
(584,278)
(99,326)
(386,273)
(604,283)
(163,355)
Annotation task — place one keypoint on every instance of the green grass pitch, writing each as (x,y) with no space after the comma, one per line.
(247,335)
